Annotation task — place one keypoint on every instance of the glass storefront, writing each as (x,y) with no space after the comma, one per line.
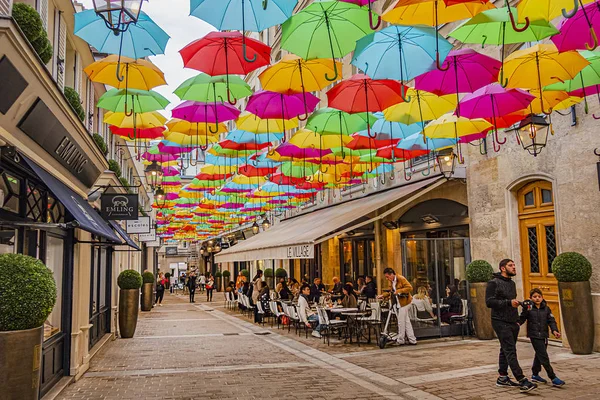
(55,248)
(357,255)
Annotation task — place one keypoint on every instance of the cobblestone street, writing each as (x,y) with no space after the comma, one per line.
(204,351)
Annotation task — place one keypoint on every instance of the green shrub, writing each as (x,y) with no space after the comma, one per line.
(269,273)
(218,274)
(129,279)
(281,273)
(75,102)
(30,23)
(27,292)
(99,140)
(125,184)
(113,165)
(571,267)
(148,277)
(479,271)
(226,274)
(142,211)
(245,273)
(43,47)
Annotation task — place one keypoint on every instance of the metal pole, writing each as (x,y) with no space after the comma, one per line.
(378,258)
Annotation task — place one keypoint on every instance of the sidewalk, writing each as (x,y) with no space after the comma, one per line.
(203,351)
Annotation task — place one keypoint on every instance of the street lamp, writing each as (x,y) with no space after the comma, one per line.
(446,161)
(118,14)
(160,197)
(255,228)
(533,133)
(266,224)
(154,174)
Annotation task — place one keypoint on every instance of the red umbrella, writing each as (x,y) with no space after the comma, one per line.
(360,142)
(147,133)
(251,171)
(360,93)
(393,152)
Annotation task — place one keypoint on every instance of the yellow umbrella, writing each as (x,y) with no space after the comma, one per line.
(541,65)
(553,99)
(309,139)
(141,120)
(186,140)
(193,128)
(544,9)
(210,169)
(249,180)
(252,123)
(450,126)
(173,163)
(431,12)
(139,74)
(295,74)
(423,106)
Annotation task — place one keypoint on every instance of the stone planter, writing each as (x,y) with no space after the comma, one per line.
(482,315)
(20,363)
(129,304)
(577,315)
(147,296)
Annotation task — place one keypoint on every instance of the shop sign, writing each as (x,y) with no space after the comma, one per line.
(171,251)
(116,206)
(41,125)
(141,225)
(155,243)
(301,251)
(147,237)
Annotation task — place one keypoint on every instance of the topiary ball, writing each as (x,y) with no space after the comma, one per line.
(571,267)
(218,274)
(479,271)
(245,273)
(148,277)
(280,273)
(226,273)
(269,273)
(28,20)
(27,292)
(129,279)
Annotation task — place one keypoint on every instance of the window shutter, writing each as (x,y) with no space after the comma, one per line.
(62,52)
(43,11)
(90,104)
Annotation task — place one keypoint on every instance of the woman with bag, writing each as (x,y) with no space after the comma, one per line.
(161,282)
(210,284)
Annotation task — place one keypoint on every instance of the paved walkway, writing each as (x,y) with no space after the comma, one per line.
(204,351)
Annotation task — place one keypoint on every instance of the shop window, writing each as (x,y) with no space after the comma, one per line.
(529,201)
(546,196)
(11,187)
(56,211)
(8,240)
(55,262)
(533,250)
(550,245)
(35,203)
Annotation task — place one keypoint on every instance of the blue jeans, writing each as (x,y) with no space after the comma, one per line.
(315,318)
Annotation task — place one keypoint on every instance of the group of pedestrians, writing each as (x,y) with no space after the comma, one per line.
(203,282)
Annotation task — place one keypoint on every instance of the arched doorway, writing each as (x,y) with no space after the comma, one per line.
(537,227)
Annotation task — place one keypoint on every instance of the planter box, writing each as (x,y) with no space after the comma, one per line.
(20,363)
(129,303)
(577,315)
(147,296)
(482,315)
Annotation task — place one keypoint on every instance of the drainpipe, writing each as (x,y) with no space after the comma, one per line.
(378,256)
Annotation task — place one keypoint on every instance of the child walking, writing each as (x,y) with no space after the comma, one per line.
(539,317)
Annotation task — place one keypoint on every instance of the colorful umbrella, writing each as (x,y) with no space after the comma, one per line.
(547,9)
(194,111)
(294,74)
(140,101)
(139,74)
(270,105)
(140,134)
(252,123)
(211,89)
(192,128)
(423,106)
(579,31)
(137,120)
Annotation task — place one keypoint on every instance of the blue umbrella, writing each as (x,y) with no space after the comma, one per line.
(417,142)
(142,39)
(400,52)
(244,15)
(240,136)
(391,130)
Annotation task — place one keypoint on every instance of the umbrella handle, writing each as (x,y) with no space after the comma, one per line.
(428,169)
(250,60)
(232,102)
(497,139)
(335,71)
(373,27)
(393,174)
(514,24)
(120,77)
(437,63)
(264,4)
(369,132)
(407,177)
(405,98)
(592,47)
(594,115)
(483,144)
(573,12)
(503,81)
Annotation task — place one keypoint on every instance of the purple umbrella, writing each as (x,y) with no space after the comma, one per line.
(579,31)
(172,148)
(195,111)
(493,101)
(160,158)
(289,150)
(267,104)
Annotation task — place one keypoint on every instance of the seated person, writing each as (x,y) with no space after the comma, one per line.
(370,290)
(337,286)
(455,304)
(423,304)
(349,299)
(284,292)
(305,314)
(315,290)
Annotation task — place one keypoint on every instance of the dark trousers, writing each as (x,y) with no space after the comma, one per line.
(159,296)
(507,335)
(209,294)
(192,293)
(541,358)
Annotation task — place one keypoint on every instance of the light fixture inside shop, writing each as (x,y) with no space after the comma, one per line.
(255,228)
(154,174)
(533,133)
(266,223)
(446,160)
(118,14)
(391,225)
(430,219)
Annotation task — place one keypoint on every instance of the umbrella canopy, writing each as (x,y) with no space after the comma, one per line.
(132,100)
(432,12)
(139,74)
(450,126)
(253,123)
(192,128)
(137,120)
(194,111)
(328,120)
(142,39)
(423,106)
(419,142)
(579,31)
(312,140)
(294,74)
(243,137)
(493,101)
(190,140)
(267,104)
(211,89)
(544,9)
(139,134)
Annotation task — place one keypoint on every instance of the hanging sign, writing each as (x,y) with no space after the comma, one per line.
(155,243)
(171,251)
(116,206)
(147,237)
(141,225)
(301,251)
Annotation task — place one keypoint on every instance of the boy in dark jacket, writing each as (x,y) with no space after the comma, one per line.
(539,317)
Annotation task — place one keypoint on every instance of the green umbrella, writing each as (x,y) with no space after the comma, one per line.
(299,170)
(331,121)
(130,100)
(490,27)
(211,89)
(325,29)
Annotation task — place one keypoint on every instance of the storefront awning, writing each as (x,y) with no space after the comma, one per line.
(88,219)
(295,237)
(128,240)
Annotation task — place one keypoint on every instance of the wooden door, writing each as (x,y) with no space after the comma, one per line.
(538,241)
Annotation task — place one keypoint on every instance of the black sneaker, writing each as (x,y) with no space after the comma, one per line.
(505,381)
(526,386)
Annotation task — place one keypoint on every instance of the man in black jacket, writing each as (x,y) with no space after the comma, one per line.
(316,289)
(501,297)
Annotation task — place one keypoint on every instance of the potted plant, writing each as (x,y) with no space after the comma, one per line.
(280,273)
(479,273)
(129,282)
(573,272)
(27,297)
(147,287)
(226,275)
(168,277)
(269,277)
(218,276)
(245,273)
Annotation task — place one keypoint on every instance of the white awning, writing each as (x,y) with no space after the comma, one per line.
(295,237)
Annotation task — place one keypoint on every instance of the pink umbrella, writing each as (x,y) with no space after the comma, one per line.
(267,104)
(289,150)
(463,71)
(494,101)
(195,111)
(161,158)
(579,31)
(169,149)
(587,91)
(170,171)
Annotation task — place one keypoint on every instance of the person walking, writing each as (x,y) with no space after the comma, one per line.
(161,282)
(401,287)
(191,283)
(210,284)
(257,284)
(539,318)
(501,297)
(202,284)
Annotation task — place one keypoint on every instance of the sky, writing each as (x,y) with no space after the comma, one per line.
(173,17)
